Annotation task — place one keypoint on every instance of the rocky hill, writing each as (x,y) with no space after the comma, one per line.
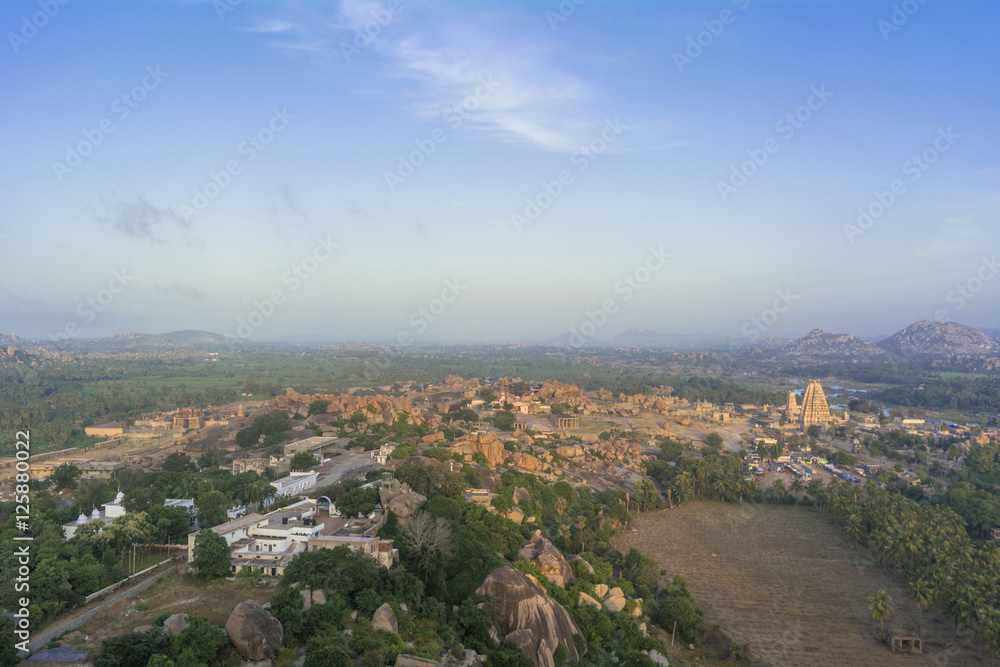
(823,344)
(940,339)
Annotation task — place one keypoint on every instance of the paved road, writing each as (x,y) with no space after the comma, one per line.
(345,466)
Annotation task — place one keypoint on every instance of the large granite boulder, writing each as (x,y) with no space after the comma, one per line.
(469,658)
(549,559)
(525,461)
(521,495)
(406,503)
(385,620)
(532,620)
(487,444)
(176,624)
(254,632)
(614,602)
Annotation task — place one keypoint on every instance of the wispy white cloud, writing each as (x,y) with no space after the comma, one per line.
(270,26)
(534,101)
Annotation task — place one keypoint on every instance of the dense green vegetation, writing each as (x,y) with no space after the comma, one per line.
(972,395)
(446,550)
(98,556)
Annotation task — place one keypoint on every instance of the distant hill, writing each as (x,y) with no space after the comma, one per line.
(189,339)
(11,339)
(650,338)
(641,338)
(940,339)
(823,344)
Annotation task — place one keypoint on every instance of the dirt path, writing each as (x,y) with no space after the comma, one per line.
(83,615)
(787,582)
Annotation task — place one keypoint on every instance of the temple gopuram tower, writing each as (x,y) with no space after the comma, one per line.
(814,406)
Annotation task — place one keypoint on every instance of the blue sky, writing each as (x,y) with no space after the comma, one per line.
(502,166)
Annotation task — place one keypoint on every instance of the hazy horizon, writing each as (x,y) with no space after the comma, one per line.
(497,172)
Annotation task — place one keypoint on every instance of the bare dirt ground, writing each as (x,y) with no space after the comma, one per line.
(174,594)
(788,583)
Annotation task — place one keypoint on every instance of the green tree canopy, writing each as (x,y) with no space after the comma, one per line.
(211,555)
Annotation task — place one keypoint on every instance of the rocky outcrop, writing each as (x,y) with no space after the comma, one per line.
(469,658)
(487,444)
(306,599)
(548,559)
(658,658)
(583,598)
(553,391)
(404,504)
(254,632)
(532,620)
(515,514)
(521,495)
(570,451)
(176,624)
(615,601)
(940,339)
(525,461)
(387,408)
(385,620)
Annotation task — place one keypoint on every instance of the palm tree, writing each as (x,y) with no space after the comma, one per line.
(854,528)
(921,595)
(778,489)
(796,487)
(880,605)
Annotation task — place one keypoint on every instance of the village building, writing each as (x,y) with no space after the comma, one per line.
(116,508)
(266,544)
(106,430)
(294,483)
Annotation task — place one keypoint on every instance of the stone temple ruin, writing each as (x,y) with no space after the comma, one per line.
(814,408)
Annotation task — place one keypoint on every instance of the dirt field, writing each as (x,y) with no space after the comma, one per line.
(789,584)
(174,594)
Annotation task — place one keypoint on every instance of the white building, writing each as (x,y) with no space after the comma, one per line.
(267,542)
(115,509)
(381,455)
(295,483)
